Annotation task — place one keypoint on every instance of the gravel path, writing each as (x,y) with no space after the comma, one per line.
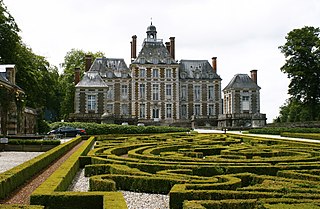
(22,194)
(9,160)
(134,200)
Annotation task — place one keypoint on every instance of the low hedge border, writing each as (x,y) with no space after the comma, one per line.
(52,192)
(301,135)
(16,176)
(283,203)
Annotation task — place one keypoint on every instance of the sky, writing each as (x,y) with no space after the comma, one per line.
(242,34)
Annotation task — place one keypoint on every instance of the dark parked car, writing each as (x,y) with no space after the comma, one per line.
(68,131)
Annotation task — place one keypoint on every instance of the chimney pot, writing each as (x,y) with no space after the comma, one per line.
(11,74)
(76,76)
(172,47)
(168,47)
(214,64)
(134,47)
(88,60)
(254,76)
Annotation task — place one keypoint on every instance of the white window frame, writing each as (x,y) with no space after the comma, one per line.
(197,109)
(142,73)
(92,102)
(168,73)
(142,111)
(183,92)
(168,91)
(142,91)
(155,73)
(168,110)
(124,111)
(210,92)
(197,92)
(155,92)
(124,91)
(211,110)
(184,109)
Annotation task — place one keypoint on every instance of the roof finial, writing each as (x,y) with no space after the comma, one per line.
(151,20)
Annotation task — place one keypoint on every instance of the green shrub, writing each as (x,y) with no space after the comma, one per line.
(279,130)
(301,135)
(101,129)
(33,142)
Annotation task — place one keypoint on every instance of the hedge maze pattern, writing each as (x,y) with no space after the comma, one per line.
(209,170)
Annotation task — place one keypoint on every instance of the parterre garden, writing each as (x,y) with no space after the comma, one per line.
(196,170)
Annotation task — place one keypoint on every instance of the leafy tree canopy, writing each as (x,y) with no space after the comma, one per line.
(302,66)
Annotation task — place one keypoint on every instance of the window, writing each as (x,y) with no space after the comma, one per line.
(110,93)
(168,73)
(124,109)
(245,103)
(197,109)
(142,91)
(168,110)
(168,90)
(92,103)
(197,91)
(211,109)
(155,73)
(211,93)
(142,73)
(110,108)
(142,110)
(124,92)
(184,111)
(183,92)
(155,92)
(155,112)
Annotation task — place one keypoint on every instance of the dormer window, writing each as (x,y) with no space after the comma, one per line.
(109,74)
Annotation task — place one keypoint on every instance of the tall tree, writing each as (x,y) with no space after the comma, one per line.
(75,58)
(302,53)
(9,37)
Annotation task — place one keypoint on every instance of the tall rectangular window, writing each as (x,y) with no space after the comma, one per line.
(245,103)
(142,73)
(155,73)
(197,109)
(184,111)
(168,73)
(124,109)
(211,109)
(124,92)
(183,93)
(142,110)
(110,93)
(142,91)
(211,92)
(197,93)
(155,92)
(168,90)
(92,102)
(168,110)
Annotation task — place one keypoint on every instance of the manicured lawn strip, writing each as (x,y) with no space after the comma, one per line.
(16,176)
(301,135)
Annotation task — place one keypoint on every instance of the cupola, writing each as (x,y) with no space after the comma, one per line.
(151,33)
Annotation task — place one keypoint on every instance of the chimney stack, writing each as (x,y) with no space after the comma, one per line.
(88,60)
(76,75)
(214,64)
(172,47)
(254,76)
(168,46)
(134,47)
(11,74)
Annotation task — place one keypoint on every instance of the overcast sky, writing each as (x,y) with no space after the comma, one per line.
(243,34)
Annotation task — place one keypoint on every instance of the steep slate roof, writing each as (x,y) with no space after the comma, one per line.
(189,69)
(91,79)
(241,81)
(154,52)
(116,66)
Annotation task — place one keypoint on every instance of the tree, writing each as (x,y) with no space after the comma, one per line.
(9,37)
(73,59)
(302,53)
